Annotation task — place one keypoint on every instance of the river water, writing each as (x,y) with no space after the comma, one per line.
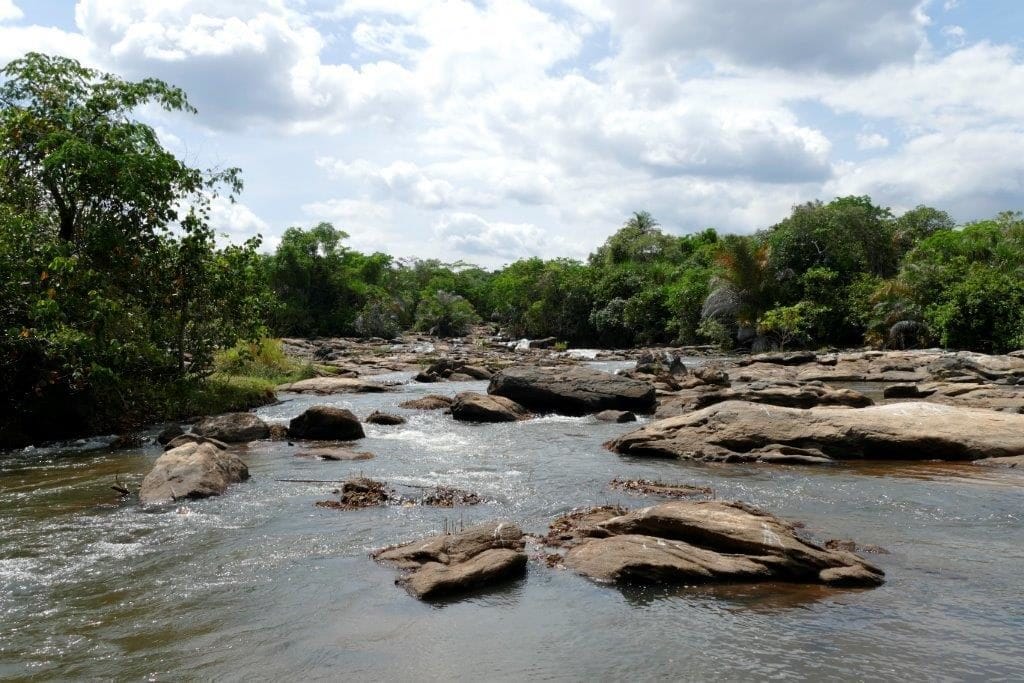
(260,584)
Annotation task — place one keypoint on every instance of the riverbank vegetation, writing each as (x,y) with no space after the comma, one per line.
(119,306)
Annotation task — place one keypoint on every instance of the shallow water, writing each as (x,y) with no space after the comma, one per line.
(261,584)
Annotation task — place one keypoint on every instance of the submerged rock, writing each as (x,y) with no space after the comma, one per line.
(650,487)
(233,428)
(736,431)
(431,402)
(618,416)
(447,496)
(192,470)
(379,418)
(709,542)
(358,493)
(335,453)
(333,385)
(470,406)
(326,422)
(455,563)
(571,390)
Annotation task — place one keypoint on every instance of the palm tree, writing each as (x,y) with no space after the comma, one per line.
(743,288)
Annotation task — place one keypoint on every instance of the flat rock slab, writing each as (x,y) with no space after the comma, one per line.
(710,542)
(192,470)
(455,563)
(333,385)
(736,431)
(233,428)
(571,390)
(1008,399)
(470,406)
(789,394)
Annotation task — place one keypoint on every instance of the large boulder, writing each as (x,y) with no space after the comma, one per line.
(458,562)
(787,394)
(968,394)
(193,470)
(233,428)
(571,390)
(709,542)
(333,385)
(739,431)
(469,406)
(327,423)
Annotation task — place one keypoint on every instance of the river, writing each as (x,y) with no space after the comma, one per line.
(260,584)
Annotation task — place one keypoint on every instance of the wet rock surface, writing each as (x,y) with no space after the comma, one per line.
(737,431)
(705,542)
(616,416)
(1008,399)
(359,493)
(233,428)
(335,453)
(193,438)
(326,422)
(387,419)
(189,471)
(572,390)
(455,563)
(470,406)
(431,402)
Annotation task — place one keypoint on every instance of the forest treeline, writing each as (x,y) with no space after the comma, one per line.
(116,298)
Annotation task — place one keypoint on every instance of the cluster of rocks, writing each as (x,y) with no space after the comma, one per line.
(453,370)
(364,492)
(677,542)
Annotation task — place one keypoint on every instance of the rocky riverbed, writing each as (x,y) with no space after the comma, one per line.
(254,563)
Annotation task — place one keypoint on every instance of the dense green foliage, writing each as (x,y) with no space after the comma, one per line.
(843,273)
(118,306)
(112,292)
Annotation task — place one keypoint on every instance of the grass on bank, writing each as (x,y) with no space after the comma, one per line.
(244,377)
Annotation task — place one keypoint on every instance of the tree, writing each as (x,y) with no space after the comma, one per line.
(744,285)
(445,314)
(119,290)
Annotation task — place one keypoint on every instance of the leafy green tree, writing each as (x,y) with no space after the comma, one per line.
(744,286)
(118,290)
(445,314)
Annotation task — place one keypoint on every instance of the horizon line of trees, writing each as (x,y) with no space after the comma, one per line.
(842,273)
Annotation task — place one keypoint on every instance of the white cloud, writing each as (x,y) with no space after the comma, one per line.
(235,219)
(868,141)
(973,173)
(955,36)
(836,36)
(494,241)
(9,11)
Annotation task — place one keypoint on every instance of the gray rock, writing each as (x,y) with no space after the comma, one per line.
(571,390)
(192,470)
(326,422)
(233,428)
(379,418)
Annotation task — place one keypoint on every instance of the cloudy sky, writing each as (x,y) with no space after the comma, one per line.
(487,130)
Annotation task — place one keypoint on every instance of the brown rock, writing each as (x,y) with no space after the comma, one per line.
(358,493)
(736,431)
(454,563)
(193,438)
(335,453)
(233,428)
(649,487)
(326,422)
(470,406)
(710,541)
(617,416)
(379,418)
(333,385)
(431,402)
(192,470)
(788,394)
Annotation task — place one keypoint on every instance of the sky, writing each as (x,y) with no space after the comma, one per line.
(490,130)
